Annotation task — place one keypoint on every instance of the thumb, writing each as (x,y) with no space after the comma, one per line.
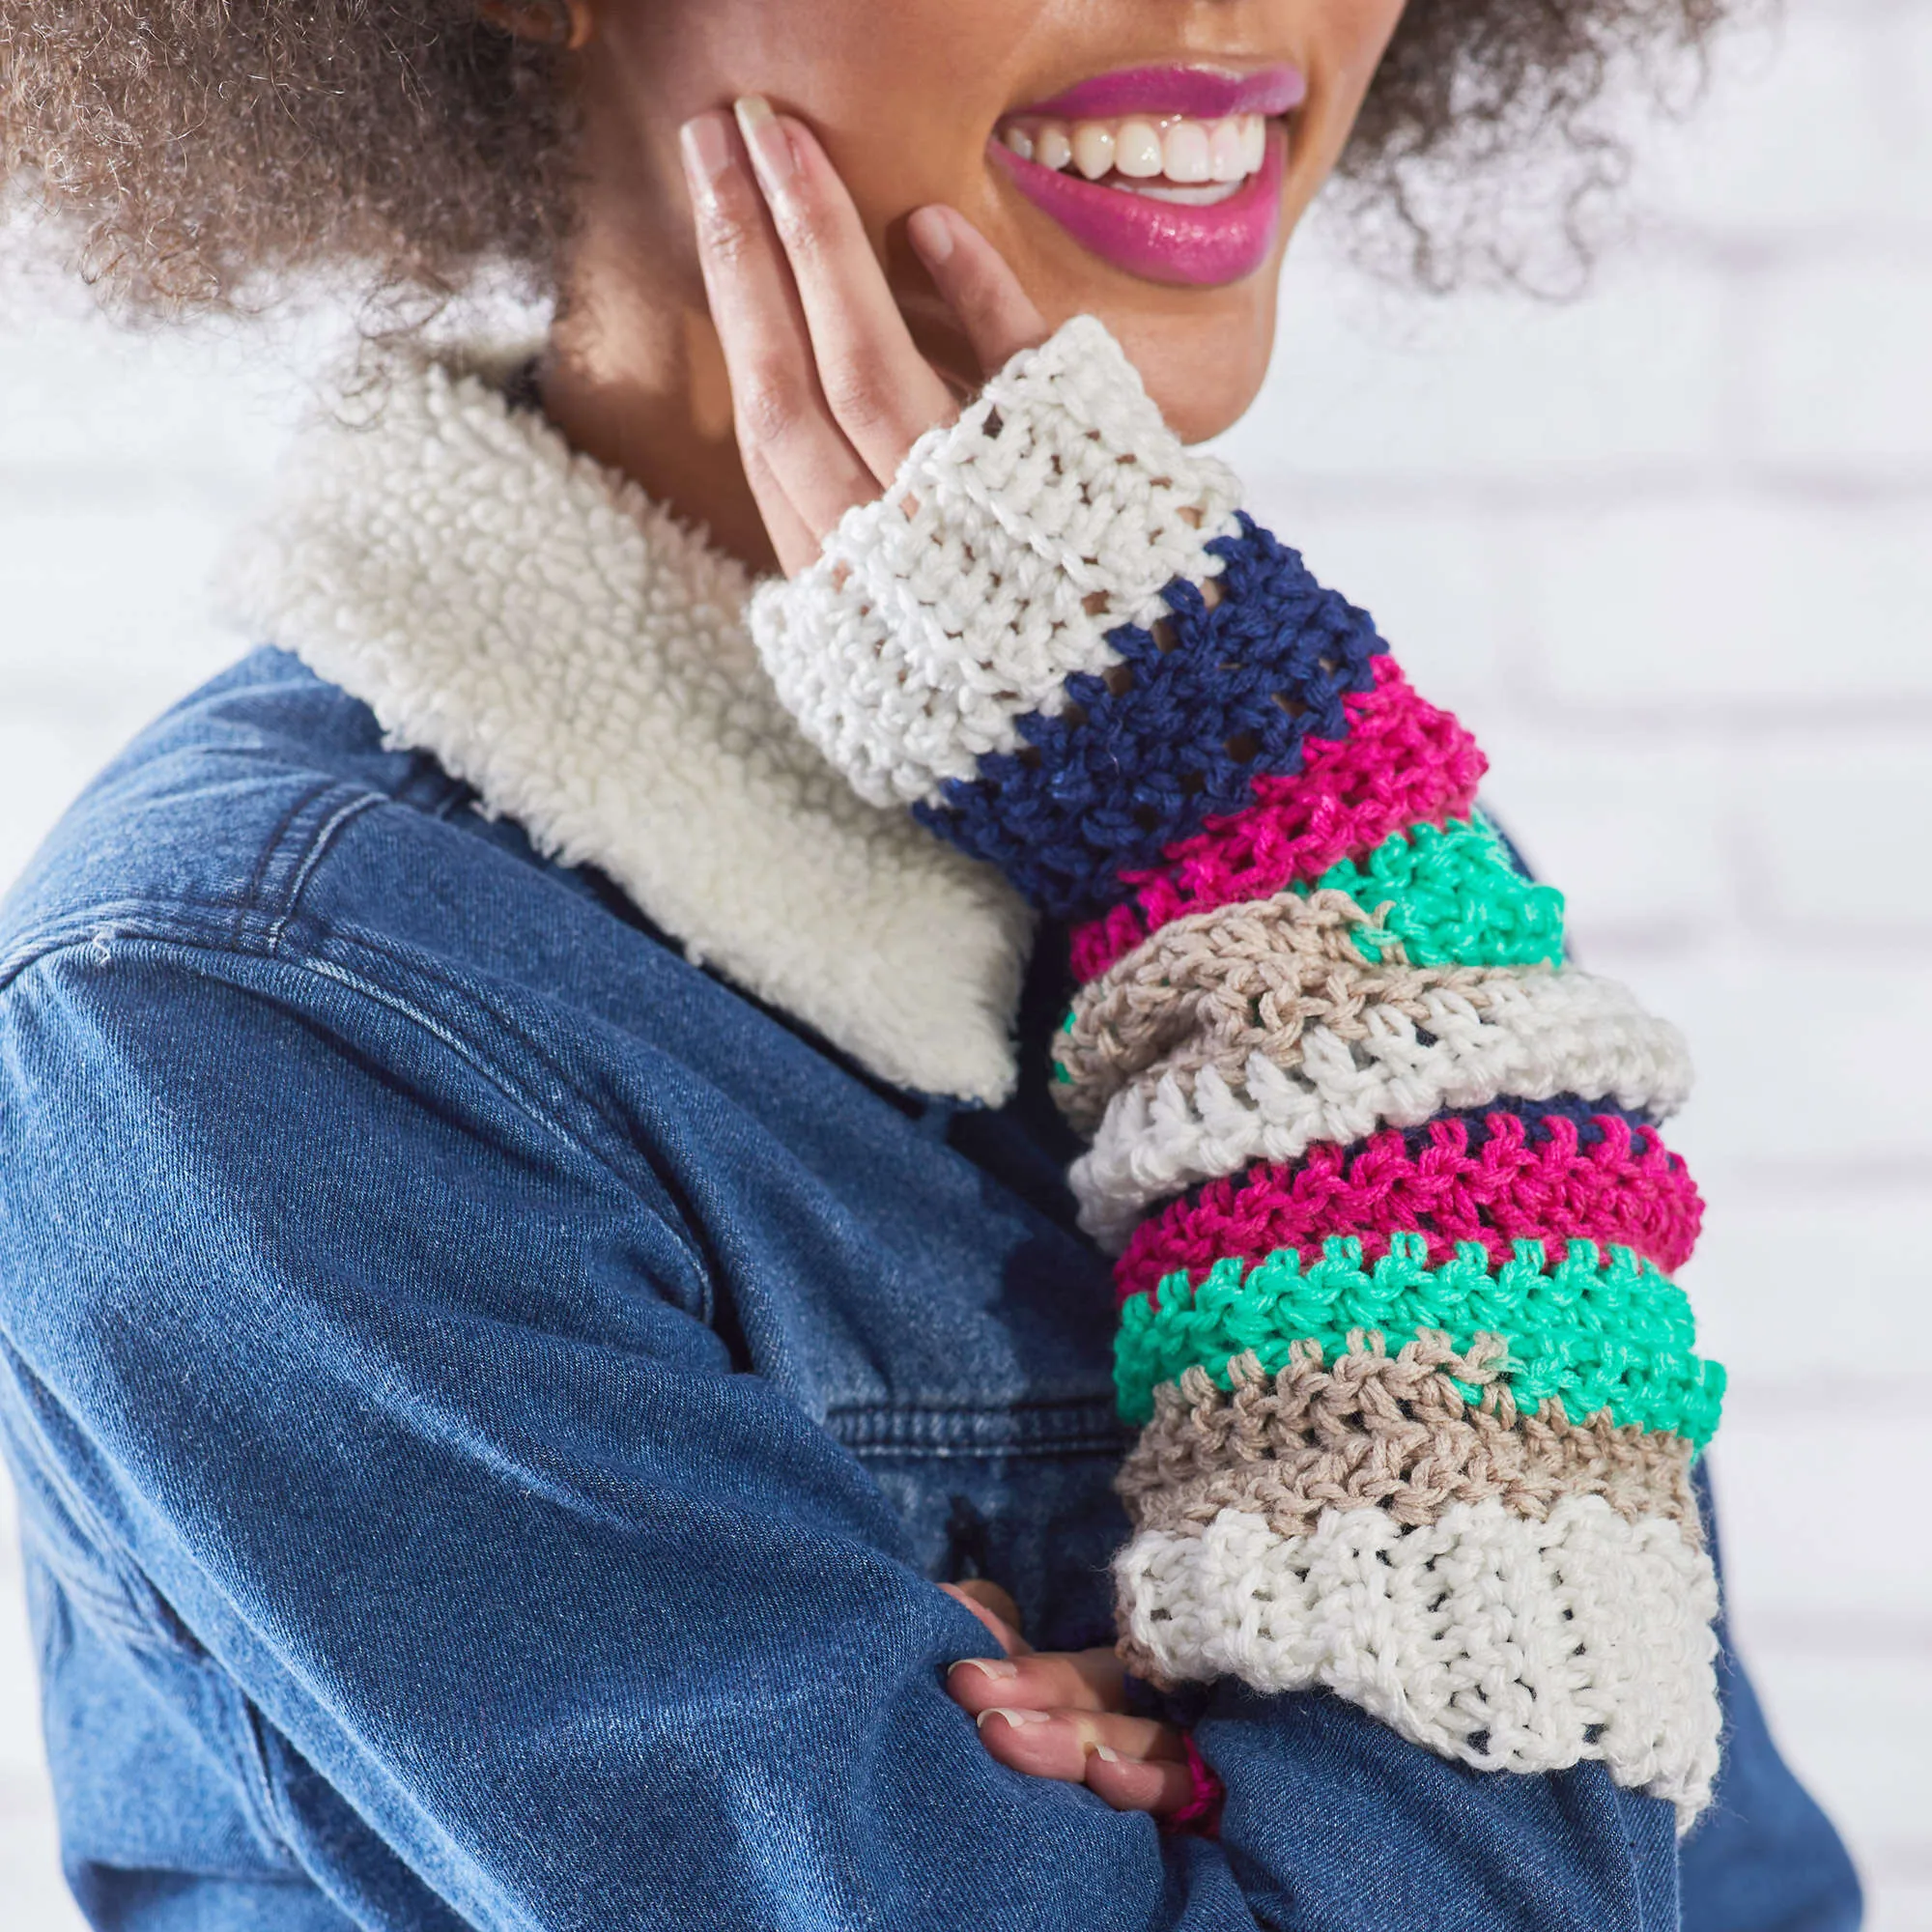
(996,1610)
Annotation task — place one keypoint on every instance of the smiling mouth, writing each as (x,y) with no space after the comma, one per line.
(1174,174)
(1170,158)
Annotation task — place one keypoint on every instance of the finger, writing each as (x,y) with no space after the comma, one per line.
(1056,1744)
(882,393)
(794,544)
(1049,1680)
(1156,1785)
(984,1590)
(972,275)
(784,428)
(1007,1636)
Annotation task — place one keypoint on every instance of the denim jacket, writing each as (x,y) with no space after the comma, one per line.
(491,1397)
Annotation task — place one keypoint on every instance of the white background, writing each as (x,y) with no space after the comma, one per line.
(1667,549)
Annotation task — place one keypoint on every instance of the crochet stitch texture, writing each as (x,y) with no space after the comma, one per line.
(1418,1397)
(1402,762)
(1490,1180)
(1604,1334)
(1401,1431)
(945,617)
(1214,1111)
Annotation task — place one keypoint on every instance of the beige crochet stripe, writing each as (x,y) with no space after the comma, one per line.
(1214,987)
(1388,1431)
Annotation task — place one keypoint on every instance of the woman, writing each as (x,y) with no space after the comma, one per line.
(551,1355)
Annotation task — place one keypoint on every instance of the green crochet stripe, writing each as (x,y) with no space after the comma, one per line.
(1452,898)
(1601,1330)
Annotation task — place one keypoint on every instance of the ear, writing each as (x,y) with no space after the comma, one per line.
(566,24)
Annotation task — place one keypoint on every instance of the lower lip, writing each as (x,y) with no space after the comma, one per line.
(1162,241)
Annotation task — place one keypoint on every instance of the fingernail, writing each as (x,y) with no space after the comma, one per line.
(765,135)
(1015,1717)
(707,147)
(1109,1753)
(931,233)
(993,1667)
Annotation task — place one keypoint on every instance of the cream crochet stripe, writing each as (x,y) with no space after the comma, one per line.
(1507,1643)
(1056,508)
(1213,988)
(558,641)
(1537,1034)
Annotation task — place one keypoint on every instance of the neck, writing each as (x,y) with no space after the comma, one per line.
(634,378)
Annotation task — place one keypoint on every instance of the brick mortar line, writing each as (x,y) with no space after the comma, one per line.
(1890,1861)
(84,488)
(1725,720)
(1901,942)
(1885,1180)
(1842,1401)
(1795,1634)
(1570,489)
(24,1793)
(1740,250)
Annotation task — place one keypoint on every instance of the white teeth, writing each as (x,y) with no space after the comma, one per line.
(1184,153)
(1137,150)
(1093,149)
(1227,152)
(1173,150)
(1205,196)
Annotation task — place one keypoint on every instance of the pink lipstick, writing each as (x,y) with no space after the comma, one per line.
(1174,174)
(1203,93)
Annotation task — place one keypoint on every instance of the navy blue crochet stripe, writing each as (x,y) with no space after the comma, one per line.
(1572,1107)
(1536,1114)
(1155,747)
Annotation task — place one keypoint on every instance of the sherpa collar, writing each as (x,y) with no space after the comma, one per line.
(561,643)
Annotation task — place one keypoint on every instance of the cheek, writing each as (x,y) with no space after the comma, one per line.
(903,93)
(1350,38)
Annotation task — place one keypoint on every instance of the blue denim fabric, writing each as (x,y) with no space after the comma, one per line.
(490,1403)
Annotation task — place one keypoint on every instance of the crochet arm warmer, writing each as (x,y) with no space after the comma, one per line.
(1418,1398)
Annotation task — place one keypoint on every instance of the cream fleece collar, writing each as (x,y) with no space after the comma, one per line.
(561,643)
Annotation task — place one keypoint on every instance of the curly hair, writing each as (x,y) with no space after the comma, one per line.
(197,149)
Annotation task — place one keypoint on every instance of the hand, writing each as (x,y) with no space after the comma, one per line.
(1064,1713)
(828,391)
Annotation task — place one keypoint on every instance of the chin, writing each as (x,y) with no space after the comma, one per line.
(1202,371)
(1202,365)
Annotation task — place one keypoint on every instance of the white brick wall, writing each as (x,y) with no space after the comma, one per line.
(1671,550)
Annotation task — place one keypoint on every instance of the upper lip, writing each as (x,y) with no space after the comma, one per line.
(1203,92)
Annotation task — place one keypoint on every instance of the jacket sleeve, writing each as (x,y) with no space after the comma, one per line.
(1419,1400)
(400,1401)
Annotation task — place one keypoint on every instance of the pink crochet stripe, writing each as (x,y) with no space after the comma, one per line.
(1200,1814)
(1626,1187)
(1404,762)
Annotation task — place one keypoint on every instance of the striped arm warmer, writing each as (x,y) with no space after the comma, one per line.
(1395,1227)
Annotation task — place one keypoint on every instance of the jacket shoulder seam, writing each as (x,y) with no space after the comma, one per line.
(97,940)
